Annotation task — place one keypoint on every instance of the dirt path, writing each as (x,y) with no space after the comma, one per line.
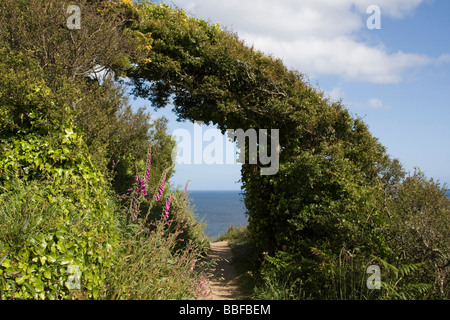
(225,284)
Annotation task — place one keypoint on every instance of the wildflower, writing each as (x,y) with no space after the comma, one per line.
(185,188)
(143,188)
(161,189)
(134,217)
(149,163)
(140,187)
(166,211)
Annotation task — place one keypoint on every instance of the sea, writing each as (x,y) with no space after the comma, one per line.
(219,210)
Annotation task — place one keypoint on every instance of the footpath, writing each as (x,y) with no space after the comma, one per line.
(225,284)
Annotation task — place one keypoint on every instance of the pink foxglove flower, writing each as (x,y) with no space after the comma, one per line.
(143,187)
(166,211)
(134,217)
(161,189)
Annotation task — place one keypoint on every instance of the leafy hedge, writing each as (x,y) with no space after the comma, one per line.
(81,232)
(56,212)
(52,249)
(67,140)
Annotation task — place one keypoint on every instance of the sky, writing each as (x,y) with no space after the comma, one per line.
(392,69)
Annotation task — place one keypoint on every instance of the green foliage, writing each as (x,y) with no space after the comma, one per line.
(149,267)
(103,42)
(47,174)
(50,232)
(335,179)
(76,69)
(338,202)
(419,229)
(183,220)
(332,171)
(81,232)
(234,233)
(27,104)
(160,245)
(63,136)
(215,77)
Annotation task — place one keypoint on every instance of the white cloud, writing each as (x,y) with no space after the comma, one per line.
(316,36)
(375,103)
(342,56)
(443,58)
(336,94)
(372,103)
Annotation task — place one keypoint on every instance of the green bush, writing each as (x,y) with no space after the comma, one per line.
(62,235)
(150,265)
(50,248)
(332,171)
(183,220)
(51,191)
(418,214)
(161,245)
(81,235)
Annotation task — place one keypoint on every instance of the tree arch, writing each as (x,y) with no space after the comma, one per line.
(331,167)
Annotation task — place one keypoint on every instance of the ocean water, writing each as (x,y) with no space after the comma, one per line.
(219,209)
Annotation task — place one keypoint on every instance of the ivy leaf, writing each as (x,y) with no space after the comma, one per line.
(52,257)
(60,235)
(47,273)
(42,259)
(38,285)
(60,246)
(5,262)
(65,261)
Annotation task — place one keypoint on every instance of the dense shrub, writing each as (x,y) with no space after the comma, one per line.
(161,245)
(52,245)
(55,214)
(419,230)
(182,218)
(63,137)
(150,265)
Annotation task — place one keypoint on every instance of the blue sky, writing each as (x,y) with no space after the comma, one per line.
(396,78)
